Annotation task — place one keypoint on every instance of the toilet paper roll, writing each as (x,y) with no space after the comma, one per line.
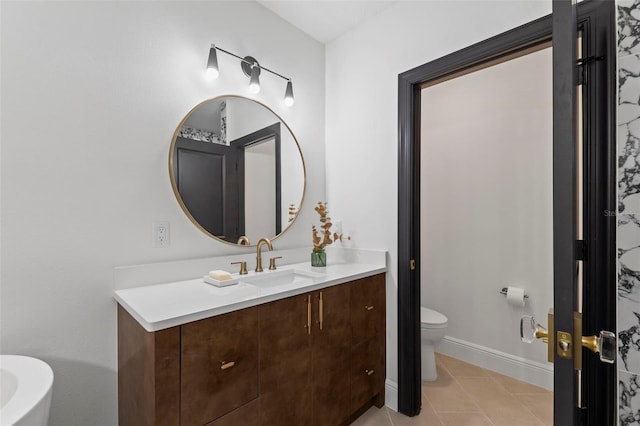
(515,296)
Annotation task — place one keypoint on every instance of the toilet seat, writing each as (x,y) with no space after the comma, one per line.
(432,319)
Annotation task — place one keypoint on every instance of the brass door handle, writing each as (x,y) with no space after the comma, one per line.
(605,344)
(226,365)
(369,372)
(530,330)
(569,346)
(368,308)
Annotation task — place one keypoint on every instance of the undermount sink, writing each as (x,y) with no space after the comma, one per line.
(278,278)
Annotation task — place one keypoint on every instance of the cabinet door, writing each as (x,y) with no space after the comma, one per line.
(219,365)
(331,353)
(367,307)
(367,370)
(368,345)
(285,362)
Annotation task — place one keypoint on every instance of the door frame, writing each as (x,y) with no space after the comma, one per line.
(246,141)
(597,18)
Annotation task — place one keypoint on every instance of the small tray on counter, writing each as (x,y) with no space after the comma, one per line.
(207,279)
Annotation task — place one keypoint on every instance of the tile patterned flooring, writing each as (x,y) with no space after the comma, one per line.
(467,395)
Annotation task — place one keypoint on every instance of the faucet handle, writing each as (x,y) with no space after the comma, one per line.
(272,263)
(243,267)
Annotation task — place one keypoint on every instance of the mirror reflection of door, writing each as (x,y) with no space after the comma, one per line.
(232,190)
(259,181)
(207,178)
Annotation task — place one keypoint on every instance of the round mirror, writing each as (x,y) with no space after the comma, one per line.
(237,170)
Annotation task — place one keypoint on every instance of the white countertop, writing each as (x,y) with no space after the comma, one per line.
(161,306)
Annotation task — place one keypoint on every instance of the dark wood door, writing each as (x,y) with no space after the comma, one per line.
(331,346)
(285,362)
(208,182)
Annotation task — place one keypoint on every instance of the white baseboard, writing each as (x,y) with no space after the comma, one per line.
(519,368)
(391,394)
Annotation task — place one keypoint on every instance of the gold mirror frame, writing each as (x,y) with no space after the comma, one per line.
(174,186)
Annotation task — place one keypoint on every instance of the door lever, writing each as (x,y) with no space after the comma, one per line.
(603,344)
(530,330)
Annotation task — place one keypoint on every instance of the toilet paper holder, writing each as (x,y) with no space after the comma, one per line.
(504,292)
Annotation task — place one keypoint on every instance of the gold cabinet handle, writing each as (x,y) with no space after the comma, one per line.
(226,365)
(368,308)
(321,308)
(369,372)
(309,314)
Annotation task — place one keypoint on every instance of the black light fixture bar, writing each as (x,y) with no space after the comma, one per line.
(251,68)
(250,63)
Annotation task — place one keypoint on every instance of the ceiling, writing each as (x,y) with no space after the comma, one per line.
(325,20)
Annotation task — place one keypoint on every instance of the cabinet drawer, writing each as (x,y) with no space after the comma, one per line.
(219,366)
(367,370)
(367,307)
(247,415)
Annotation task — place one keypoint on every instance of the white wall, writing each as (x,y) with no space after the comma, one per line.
(91,95)
(362,70)
(487,201)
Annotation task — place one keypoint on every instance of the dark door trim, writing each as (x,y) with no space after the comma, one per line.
(597,18)
(565,140)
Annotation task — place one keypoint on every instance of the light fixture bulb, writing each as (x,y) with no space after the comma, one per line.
(212,73)
(288,94)
(212,64)
(254,82)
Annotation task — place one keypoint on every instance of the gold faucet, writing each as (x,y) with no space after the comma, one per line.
(243,241)
(259,252)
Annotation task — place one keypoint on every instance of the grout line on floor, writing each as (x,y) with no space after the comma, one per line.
(389,417)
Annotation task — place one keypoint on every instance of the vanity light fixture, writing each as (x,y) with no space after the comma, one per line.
(288,94)
(251,69)
(254,79)
(212,64)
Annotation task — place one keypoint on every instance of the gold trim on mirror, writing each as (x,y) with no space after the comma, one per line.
(286,224)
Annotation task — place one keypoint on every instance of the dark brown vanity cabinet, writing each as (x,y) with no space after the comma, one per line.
(314,359)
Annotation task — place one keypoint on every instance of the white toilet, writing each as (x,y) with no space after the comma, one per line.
(432,329)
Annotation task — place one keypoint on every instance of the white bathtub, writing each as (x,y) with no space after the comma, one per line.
(25,391)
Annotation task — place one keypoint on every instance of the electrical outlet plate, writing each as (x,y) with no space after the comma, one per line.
(337,226)
(161,234)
